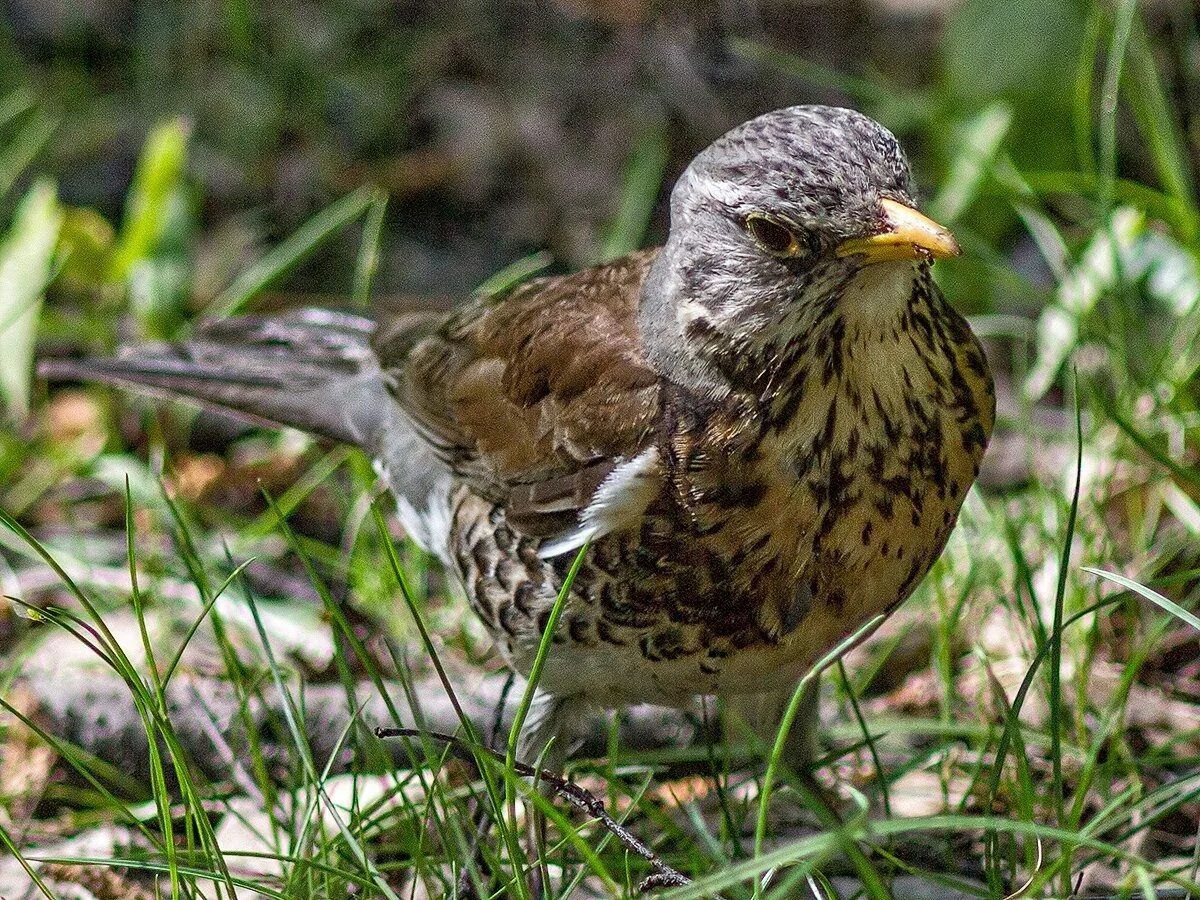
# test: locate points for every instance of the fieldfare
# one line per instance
(763, 429)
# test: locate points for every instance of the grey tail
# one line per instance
(312, 369)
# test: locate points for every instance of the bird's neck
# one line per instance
(856, 318)
(663, 319)
(875, 341)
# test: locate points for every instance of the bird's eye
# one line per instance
(772, 235)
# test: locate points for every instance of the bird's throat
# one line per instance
(879, 294)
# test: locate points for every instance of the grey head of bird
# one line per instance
(772, 223)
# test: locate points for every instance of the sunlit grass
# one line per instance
(1040, 630)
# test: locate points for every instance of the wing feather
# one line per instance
(534, 398)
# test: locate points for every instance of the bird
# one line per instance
(759, 434)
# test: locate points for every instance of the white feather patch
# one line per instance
(429, 528)
(618, 504)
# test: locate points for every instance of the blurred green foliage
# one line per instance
(26, 266)
(166, 161)
(151, 253)
(1023, 54)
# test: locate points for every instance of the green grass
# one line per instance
(1039, 730)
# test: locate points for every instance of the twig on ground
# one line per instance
(581, 798)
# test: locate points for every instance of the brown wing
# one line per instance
(532, 397)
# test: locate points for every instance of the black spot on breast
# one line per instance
(916, 569)
(607, 633)
(796, 609)
(743, 494)
(562, 563)
(580, 631)
(838, 486)
(523, 597)
(852, 442)
(835, 599)
(974, 438)
(899, 485)
(977, 364)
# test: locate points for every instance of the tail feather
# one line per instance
(312, 370)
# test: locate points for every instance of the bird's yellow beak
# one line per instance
(907, 234)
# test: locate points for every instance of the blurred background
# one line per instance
(503, 128)
(162, 162)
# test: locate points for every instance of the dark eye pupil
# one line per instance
(771, 235)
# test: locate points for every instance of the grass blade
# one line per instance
(539, 661)
(26, 264)
(289, 254)
(1143, 91)
(1056, 640)
(156, 185)
(981, 141)
(23, 148)
(1153, 596)
(367, 263)
(514, 273)
(643, 178)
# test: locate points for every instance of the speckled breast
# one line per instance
(770, 541)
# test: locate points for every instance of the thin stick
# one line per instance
(581, 798)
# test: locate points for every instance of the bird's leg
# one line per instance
(552, 729)
(550, 732)
(479, 810)
(762, 715)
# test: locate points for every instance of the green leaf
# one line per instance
(981, 140)
(26, 267)
(1153, 596)
(151, 255)
(156, 184)
(643, 178)
(292, 251)
(513, 274)
(1158, 123)
(21, 149)
(369, 250)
